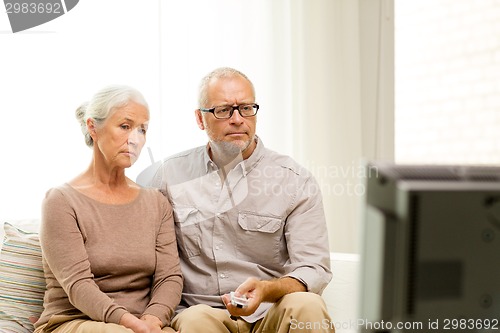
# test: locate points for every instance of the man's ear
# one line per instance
(199, 119)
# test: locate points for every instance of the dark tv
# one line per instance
(430, 259)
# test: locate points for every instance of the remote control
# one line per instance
(239, 302)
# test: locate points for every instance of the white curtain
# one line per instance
(343, 102)
(323, 72)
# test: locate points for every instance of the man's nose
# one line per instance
(236, 117)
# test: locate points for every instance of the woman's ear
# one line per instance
(199, 119)
(91, 128)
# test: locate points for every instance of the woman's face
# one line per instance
(120, 138)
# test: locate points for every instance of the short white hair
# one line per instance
(222, 72)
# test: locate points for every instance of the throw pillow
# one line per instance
(22, 283)
(11, 327)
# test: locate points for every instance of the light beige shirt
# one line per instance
(266, 220)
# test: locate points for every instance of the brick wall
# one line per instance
(447, 81)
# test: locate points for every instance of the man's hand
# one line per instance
(253, 289)
(258, 291)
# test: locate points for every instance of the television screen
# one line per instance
(430, 258)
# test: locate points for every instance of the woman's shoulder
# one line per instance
(153, 193)
(58, 197)
(58, 191)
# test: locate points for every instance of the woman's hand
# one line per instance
(140, 325)
(153, 322)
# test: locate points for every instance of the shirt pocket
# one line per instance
(252, 222)
(261, 240)
(187, 230)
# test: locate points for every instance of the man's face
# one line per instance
(236, 134)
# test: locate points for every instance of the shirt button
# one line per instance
(222, 276)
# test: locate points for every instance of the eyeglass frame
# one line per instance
(233, 108)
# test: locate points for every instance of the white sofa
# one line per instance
(22, 284)
(341, 294)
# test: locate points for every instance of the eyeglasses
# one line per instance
(226, 111)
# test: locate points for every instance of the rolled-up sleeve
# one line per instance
(307, 239)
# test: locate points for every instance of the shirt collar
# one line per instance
(248, 164)
(210, 166)
(245, 165)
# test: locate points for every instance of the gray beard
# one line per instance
(225, 152)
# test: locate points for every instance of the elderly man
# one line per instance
(247, 220)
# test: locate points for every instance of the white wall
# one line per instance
(47, 72)
(447, 81)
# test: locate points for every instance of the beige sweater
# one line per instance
(104, 260)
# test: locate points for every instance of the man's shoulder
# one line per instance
(183, 155)
(285, 162)
(177, 161)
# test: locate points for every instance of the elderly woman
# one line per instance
(109, 250)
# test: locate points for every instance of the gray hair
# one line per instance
(102, 103)
(222, 72)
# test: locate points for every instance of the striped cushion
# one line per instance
(11, 327)
(22, 284)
